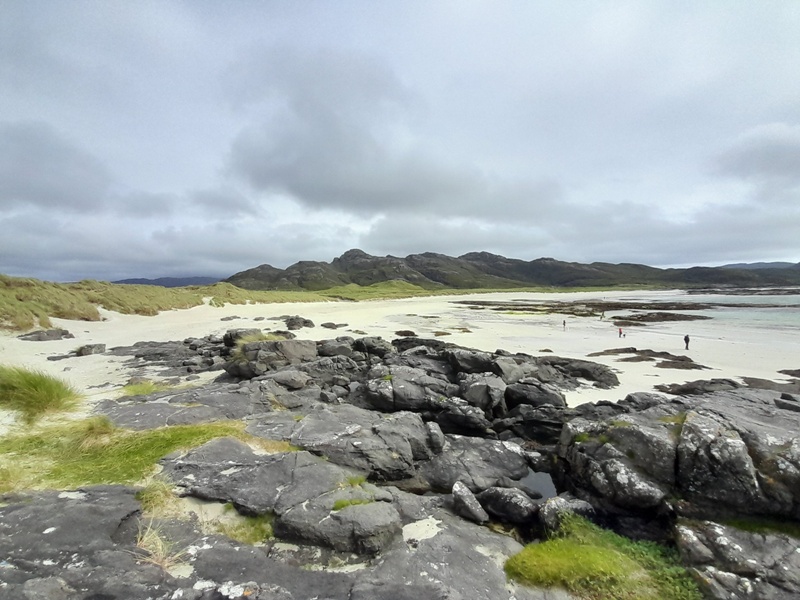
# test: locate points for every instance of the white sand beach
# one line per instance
(731, 348)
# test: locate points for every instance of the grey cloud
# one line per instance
(40, 167)
(341, 135)
(764, 153)
(223, 201)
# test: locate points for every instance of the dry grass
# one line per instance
(28, 303)
(34, 394)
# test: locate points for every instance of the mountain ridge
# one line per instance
(477, 270)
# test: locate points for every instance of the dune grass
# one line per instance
(93, 451)
(595, 564)
(34, 394)
(27, 303)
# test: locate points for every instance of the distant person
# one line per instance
(565, 324)
(686, 341)
(620, 332)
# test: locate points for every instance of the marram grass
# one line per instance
(34, 394)
(597, 564)
(93, 451)
(27, 303)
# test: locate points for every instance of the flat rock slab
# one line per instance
(203, 405)
(383, 446)
(478, 463)
(300, 489)
(442, 557)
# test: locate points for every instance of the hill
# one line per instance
(483, 270)
(171, 282)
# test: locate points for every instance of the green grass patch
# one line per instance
(156, 496)
(246, 529)
(345, 502)
(596, 564)
(93, 451)
(765, 525)
(356, 480)
(34, 394)
(144, 388)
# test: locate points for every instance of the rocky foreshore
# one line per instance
(402, 453)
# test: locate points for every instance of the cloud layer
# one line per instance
(181, 138)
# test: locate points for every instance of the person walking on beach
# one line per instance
(565, 324)
(686, 341)
(620, 332)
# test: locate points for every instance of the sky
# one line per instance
(168, 138)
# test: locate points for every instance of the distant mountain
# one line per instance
(171, 282)
(479, 270)
(762, 265)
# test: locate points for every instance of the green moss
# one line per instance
(582, 437)
(765, 525)
(93, 451)
(595, 564)
(356, 480)
(34, 394)
(345, 502)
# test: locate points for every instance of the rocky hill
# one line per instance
(485, 270)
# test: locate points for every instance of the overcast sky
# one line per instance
(148, 139)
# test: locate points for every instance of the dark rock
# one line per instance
(234, 335)
(602, 376)
(478, 463)
(508, 504)
(484, 391)
(695, 388)
(406, 388)
(533, 393)
(385, 447)
(373, 345)
(90, 349)
(341, 346)
(553, 510)
(729, 451)
(466, 504)
(459, 417)
(732, 563)
(469, 361)
(405, 333)
(46, 335)
(444, 557)
(296, 322)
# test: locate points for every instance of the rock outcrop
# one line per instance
(393, 458)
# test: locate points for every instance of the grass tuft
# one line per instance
(156, 496)
(345, 502)
(595, 564)
(247, 529)
(93, 452)
(34, 394)
(159, 550)
(143, 388)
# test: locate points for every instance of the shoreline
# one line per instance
(728, 351)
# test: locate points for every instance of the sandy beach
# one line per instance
(729, 348)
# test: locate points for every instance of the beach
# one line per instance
(734, 343)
